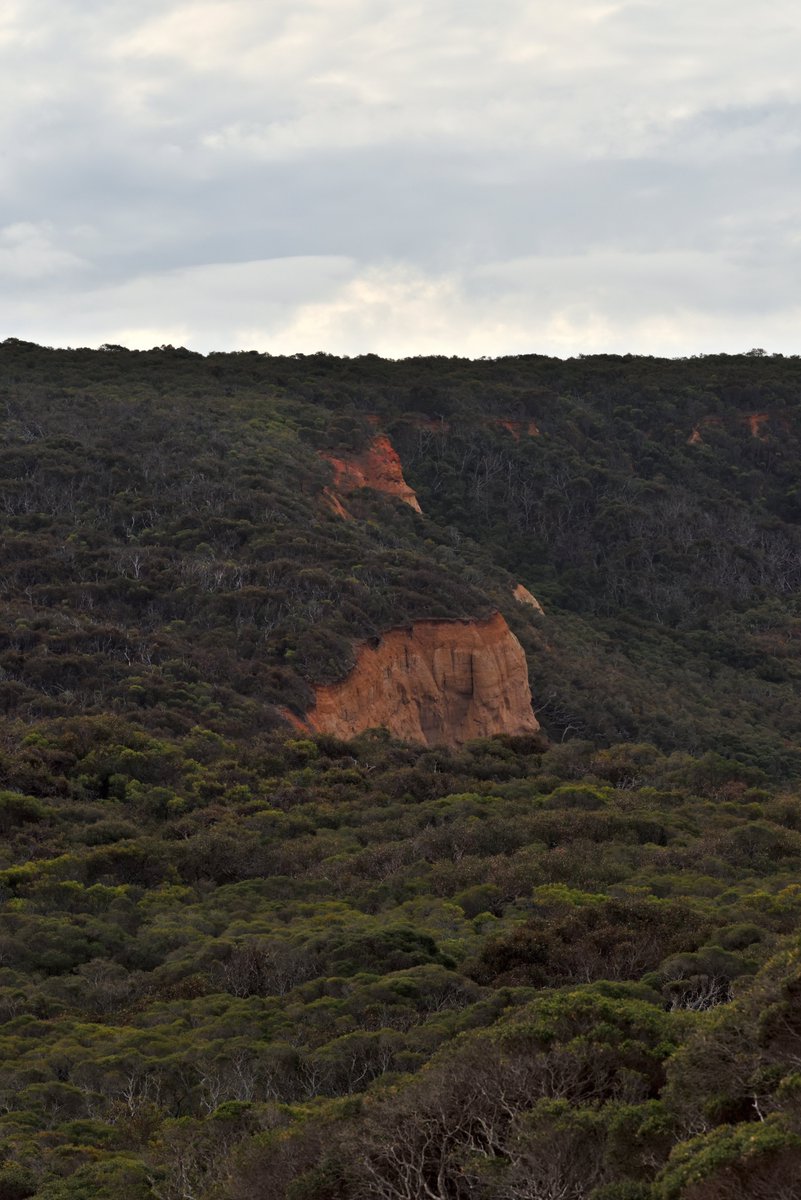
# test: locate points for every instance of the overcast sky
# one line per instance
(443, 176)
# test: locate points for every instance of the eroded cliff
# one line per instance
(523, 596)
(378, 467)
(432, 682)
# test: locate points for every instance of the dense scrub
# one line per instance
(168, 552)
(237, 963)
(310, 968)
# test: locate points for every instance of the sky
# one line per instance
(444, 177)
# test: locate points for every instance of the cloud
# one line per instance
(568, 170)
(662, 304)
(27, 253)
(210, 305)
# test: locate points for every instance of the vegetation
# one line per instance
(237, 962)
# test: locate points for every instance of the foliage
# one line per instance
(240, 962)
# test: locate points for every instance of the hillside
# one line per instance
(170, 534)
(399, 777)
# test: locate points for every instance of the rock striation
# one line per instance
(378, 467)
(432, 682)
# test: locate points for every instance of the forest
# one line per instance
(243, 962)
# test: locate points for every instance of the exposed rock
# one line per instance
(518, 428)
(432, 682)
(696, 438)
(754, 423)
(378, 467)
(335, 504)
(523, 596)
(299, 725)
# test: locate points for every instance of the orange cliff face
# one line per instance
(378, 467)
(432, 682)
(523, 596)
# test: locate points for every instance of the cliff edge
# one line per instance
(432, 682)
(378, 467)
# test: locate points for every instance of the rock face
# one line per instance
(378, 467)
(432, 682)
(523, 596)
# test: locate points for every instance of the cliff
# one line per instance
(523, 596)
(433, 682)
(378, 467)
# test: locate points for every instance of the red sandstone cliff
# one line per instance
(433, 682)
(523, 596)
(378, 467)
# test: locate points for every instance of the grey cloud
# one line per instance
(559, 173)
